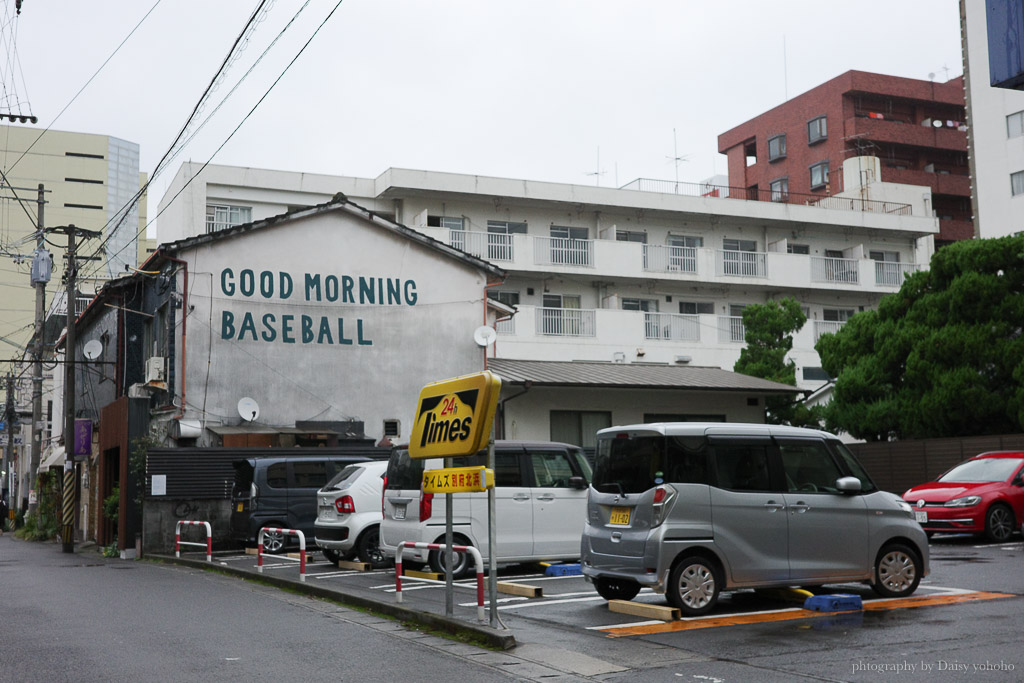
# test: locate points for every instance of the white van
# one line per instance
(540, 499)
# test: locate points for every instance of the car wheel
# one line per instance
(333, 556)
(369, 548)
(616, 589)
(462, 565)
(694, 585)
(999, 523)
(897, 571)
(273, 541)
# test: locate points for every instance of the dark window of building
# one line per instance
(579, 427)
(798, 249)
(83, 155)
(815, 375)
(1017, 183)
(631, 236)
(507, 297)
(817, 130)
(696, 308)
(449, 222)
(645, 305)
(82, 206)
(819, 175)
(392, 428)
(83, 180)
(777, 147)
(1015, 125)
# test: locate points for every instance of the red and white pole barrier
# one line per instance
(178, 542)
(477, 559)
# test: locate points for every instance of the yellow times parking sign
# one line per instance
(458, 480)
(454, 416)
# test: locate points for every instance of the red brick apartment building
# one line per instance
(795, 152)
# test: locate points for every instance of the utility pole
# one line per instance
(39, 280)
(9, 413)
(67, 530)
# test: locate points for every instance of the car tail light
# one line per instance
(383, 491)
(663, 497)
(345, 505)
(254, 494)
(426, 506)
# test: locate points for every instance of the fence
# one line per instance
(898, 465)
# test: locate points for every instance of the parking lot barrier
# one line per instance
(288, 532)
(477, 559)
(178, 542)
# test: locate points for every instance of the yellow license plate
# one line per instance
(240, 507)
(620, 515)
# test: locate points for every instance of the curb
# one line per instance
(492, 637)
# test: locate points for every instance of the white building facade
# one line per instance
(995, 118)
(614, 275)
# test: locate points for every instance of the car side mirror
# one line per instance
(577, 483)
(848, 484)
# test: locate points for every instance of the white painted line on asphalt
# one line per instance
(535, 602)
(498, 601)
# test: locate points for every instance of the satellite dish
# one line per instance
(484, 336)
(93, 349)
(249, 409)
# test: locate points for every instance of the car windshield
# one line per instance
(982, 470)
(404, 472)
(629, 465)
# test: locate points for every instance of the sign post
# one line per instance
(453, 417)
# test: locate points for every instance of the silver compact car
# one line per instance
(693, 509)
(349, 514)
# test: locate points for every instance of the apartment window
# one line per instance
(506, 228)
(579, 426)
(837, 315)
(817, 130)
(631, 236)
(696, 308)
(779, 189)
(798, 249)
(219, 217)
(1017, 183)
(1015, 125)
(819, 175)
(685, 241)
(507, 297)
(446, 222)
(645, 305)
(567, 232)
(884, 256)
(777, 148)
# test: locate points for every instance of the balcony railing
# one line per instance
(566, 322)
(826, 327)
(666, 259)
(672, 327)
(892, 274)
(563, 251)
(731, 330)
(505, 326)
(742, 263)
(486, 245)
(828, 269)
(767, 195)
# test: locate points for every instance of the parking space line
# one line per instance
(794, 613)
(541, 603)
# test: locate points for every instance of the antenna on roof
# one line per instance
(676, 158)
(598, 173)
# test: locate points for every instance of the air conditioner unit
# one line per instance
(155, 369)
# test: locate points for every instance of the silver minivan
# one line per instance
(692, 509)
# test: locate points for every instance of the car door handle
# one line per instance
(772, 506)
(800, 508)
(546, 497)
(521, 496)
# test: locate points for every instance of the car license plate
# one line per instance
(399, 512)
(240, 505)
(620, 515)
(921, 516)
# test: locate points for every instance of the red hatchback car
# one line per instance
(983, 495)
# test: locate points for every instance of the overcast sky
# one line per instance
(535, 89)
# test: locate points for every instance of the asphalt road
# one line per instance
(80, 617)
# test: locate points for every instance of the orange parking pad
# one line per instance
(793, 614)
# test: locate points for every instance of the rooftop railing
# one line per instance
(767, 195)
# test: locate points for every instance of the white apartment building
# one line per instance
(657, 273)
(995, 118)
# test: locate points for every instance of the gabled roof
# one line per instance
(630, 376)
(338, 203)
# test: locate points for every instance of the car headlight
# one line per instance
(966, 501)
(904, 505)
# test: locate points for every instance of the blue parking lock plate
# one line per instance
(563, 570)
(838, 602)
